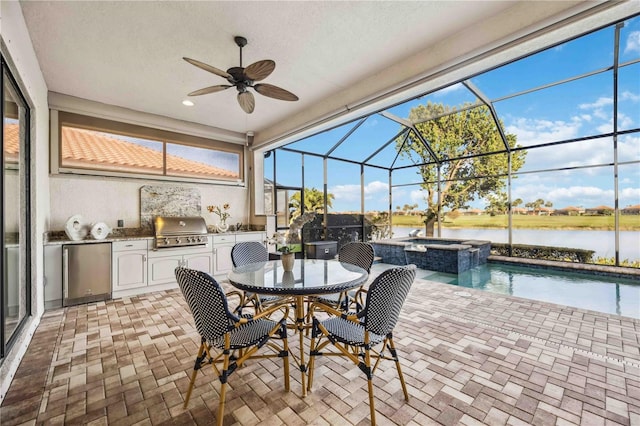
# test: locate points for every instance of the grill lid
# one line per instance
(180, 231)
(170, 226)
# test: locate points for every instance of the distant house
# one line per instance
(570, 211)
(543, 211)
(631, 210)
(519, 210)
(599, 211)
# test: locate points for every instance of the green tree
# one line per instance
(497, 203)
(455, 137)
(313, 202)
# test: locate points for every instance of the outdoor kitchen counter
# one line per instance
(60, 238)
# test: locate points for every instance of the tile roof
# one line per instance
(88, 149)
(11, 145)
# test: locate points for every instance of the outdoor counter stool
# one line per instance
(237, 339)
(354, 336)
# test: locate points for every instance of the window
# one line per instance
(88, 145)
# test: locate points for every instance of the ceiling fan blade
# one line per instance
(247, 101)
(275, 92)
(260, 70)
(210, 89)
(209, 68)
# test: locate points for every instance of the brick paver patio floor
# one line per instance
(469, 357)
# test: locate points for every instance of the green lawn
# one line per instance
(627, 222)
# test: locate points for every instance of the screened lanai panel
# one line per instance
(366, 138)
(313, 173)
(343, 183)
(288, 169)
(322, 142)
(564, 207)
(400, 152)
(376, 203)
(629, 96)
(629, 147)
(408, 175)
(461, 134)
(573, 58)
(588, 152)
(629, 202)
(376, 189)
(572, 110)
(408, 203)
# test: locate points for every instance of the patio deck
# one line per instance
(469, 357)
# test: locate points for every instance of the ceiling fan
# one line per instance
(243, 79)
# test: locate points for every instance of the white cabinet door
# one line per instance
(201, 262)
(129, 269)
(222, 258)
(162, 269)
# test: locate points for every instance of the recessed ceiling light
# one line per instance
(187, 103)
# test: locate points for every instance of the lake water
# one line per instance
(602, 242)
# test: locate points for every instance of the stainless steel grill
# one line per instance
(180, 231)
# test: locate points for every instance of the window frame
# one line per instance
(60, 119)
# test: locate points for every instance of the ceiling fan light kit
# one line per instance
(243, 79)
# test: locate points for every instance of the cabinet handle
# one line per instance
(65, 272)
(144, 257)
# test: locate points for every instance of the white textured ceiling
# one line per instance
(129, 54)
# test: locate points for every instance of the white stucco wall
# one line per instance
(19, 53)
(102, 199)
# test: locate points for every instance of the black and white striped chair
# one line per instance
(246, 252)
(355, 336)
(236, 339)
(355, 253)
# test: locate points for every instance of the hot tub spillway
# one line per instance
(434, 254)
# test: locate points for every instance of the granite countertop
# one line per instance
(118, 234)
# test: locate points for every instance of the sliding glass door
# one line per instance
(14, 184)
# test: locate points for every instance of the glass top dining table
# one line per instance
(308, 277)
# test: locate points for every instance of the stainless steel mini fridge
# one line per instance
(86, 273)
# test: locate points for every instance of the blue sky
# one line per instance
(573, 110)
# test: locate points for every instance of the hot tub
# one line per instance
(434, 254)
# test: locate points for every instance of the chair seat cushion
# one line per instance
(349, 332)
(248, 334)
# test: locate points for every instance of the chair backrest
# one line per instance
(207, 302)
(357, 253)
(385, 298)
(247, 252)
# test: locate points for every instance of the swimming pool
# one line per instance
(610, 295)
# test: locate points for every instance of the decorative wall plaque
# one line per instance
(156, 200)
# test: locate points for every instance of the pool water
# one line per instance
(610, 295)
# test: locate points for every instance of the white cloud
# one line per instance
(633, 42)
(629, 148)
(629, 96)
(605, 127)
(534, 131)
(448, 89)
(601, 102)
(599, 113)
(352, 192)
(630, 195)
